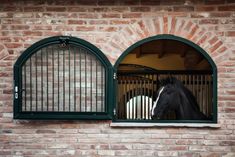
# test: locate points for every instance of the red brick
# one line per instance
(170, 2)
(98, 22)
(150, 2)
(140, 9)
(229, 109)
(183, 8)
(77, 9)
(216, 46)
(56, 9)
(213, 40)
(32, 33)
(85, 28)
(227, 8)
(107, 2)
(12, 8)
(20, 27)
(42, 27)
(214, 2)
(45, 132)
(119, 22)
(86, 2)
(23, 15)
(173, 25)
(13, 45)
(111, 15)
(129, 2)
(33, 9)
(119, 9)
(178, 148)
(131, 15)
(77, 22)
(99, 9)
(63, 28)
(88, 15)
(205, 8)
(230, 33)
(209, 21)
(188, 26)
(220, 14)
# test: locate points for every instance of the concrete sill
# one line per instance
(155, 125)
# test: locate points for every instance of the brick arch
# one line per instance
(187, 29)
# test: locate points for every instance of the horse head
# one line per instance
(167, 99)
(174, 96)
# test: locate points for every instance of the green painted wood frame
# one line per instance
(19, 114)
(111, 84)
(189, 43)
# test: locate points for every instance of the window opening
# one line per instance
(62, 76)
(144, 65)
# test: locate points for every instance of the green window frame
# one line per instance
(25, 105)
(110, 81)
(189, 43)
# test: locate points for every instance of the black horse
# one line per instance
(174, 96)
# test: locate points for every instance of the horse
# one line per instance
(174, 96)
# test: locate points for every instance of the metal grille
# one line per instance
(63, 78)
(137, 92)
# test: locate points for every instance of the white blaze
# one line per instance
(155, 104)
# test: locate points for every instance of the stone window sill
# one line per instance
(155, 125)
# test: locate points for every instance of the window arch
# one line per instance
(183, 64)
(62, 78)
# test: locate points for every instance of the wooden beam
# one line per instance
(162, 49)
(183, 52)
(139, 51)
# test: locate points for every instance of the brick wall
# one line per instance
(113, 26)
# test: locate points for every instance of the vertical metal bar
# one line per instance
(85, 82)
(69, 78)
(149, 92)
(36, 75)
(141, 96)
(58, 94)
(129, 97)
(152, 89)
(30, 83)
(96, 84)
(202, 103)
(197, 90)
(102, 89)
(74, 66)
(145, 95)
(47, 75)
(207, 96)
(91, 81)
(203, 93)
(80, 70)
(53, 69)
(41, 80)
(63, 80)
(135, 96)
(209, 93)
(124, 90)
(25, 88)
(193, 85)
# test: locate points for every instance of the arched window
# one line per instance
(62, 78)
(142, 67)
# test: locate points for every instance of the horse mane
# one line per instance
(185, 91)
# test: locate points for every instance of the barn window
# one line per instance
(144, 66)
(62, 78)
